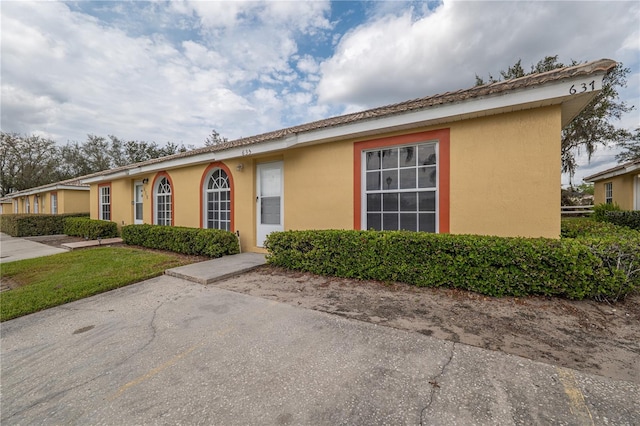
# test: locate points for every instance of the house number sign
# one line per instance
(582, 87)
(246, 152)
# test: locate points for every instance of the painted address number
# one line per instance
(582, 87)
(246, 152)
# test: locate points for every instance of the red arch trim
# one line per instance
(217, 165)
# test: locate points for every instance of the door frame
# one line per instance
(263, 230)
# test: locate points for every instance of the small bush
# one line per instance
(495, 266)
(600, 211)
(585, 227)
(190, 241)
(90, 228)
(30, 225)
(630, 219)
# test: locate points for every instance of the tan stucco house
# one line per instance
(68, 196)
(619, 185)
(449, 163)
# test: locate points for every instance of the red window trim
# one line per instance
(443, 138)
(217, 165)
(158, 176)
(100, 186)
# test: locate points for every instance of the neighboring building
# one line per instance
(450, 163)
(68, 196)
(6, 205)
(620, 185)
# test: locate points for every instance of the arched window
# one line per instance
(163, 202)
(217, 200)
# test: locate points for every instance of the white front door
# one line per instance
(270, 200)
(637, 195)
(137, 203)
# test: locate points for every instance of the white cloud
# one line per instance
(398, 56)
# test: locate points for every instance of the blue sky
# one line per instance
(172, 71)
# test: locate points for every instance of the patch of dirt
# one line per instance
(588, 336)
(55, 240)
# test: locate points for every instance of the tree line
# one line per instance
(28, 161)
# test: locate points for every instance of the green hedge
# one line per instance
(191, 241)
(630, 219)
(91, 229)
(496, 266)
(29, 225)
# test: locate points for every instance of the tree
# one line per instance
(215, 139)
(26, 162)
(593, 126)
(631, 147)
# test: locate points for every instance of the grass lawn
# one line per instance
(54, 280)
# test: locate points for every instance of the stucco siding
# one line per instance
(505, 174)
(622, 187)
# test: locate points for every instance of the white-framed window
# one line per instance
(163, 202)
(36, 205)
(608, 193)
(401, 188)
(105, 202)
(15, 206)
(217, 200)
(27, 205)
(54, 203)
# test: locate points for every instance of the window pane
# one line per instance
(408, 221)
(390, 202)
(373, 160)
(373, 181)
(407, 156)
(427, 201)
(426, 155)
(408, 202)
(390, 158)
(390, 221)
(374, 202)
(407, 178)
(390, 179)
(427, 177)
(427, 222)
(374, 221)
(270, 211)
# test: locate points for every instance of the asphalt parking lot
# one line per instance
(170, 351)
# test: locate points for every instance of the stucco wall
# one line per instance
(505, 174)
(622, 191)
(71, 201)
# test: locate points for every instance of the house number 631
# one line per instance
(582, 87)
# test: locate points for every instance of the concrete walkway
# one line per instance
(12, 249)
(92, 243)
(213, 270)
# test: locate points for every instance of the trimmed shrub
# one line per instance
(190, 241)
(30, 225)
(600, 211)
(630, 219)
(576, 227)
(90, 229)
(494, 266)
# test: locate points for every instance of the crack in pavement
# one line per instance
(434, 383)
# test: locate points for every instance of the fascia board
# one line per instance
(552, 93)
(48, 189)
(614, 173)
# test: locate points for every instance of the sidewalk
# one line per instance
(12, 249)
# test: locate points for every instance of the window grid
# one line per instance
(36, 205)
(27, 206)
(105, 203)
(54, 203)
(608, 193)
(218, 201)
(163, 202)
(401, 188)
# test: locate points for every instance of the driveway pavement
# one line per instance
(170, 351)
(12, 249)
